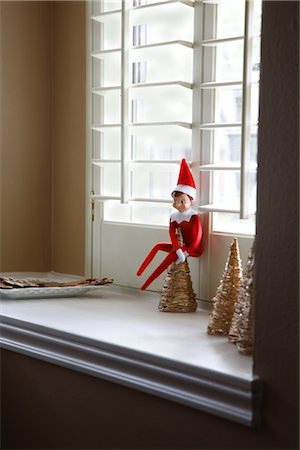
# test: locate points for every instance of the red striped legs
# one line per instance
(172, 256)
(164, 246)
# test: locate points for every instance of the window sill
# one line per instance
(119, 335)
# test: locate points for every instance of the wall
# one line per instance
(56, 408)
(43, 137)
(62, 409)
(25, 203)
(69, 137)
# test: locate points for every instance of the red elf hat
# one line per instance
(186, 183)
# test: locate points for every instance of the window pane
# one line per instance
(227, 145)
(230, 61)
(254, 103)
(151, 214)
(153, 181)
(226, 189)
(231, 223)
(114, 211)
(107, 108)
(165, 63)
(256, 60)
(97, 34)
(96, 72)
(257, 17)
(109, 32)
(231, 18)
(100, 6)
(146, 104)
(161, 143)
(137, 212)
(253, 145)
(229, 105)
(164, 23)
(97, 139)
(96, 179)
(107, 182)
(169, 63)
(106, 144)
(107, 68)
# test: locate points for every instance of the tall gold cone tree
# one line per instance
(227, 293)
(177, 293)
(245, 327)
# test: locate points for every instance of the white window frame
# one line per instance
(198, 168)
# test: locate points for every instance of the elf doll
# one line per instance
(186, 220)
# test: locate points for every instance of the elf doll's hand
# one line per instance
(181, 256)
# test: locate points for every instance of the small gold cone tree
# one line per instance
(227, 293)
(245, 326)
(177, 293)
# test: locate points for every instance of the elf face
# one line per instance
(182, 202)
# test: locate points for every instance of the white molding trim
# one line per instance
(228, 397)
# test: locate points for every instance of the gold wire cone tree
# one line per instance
(227, 293)
(240, 304)
(177, 294)
(245, 325)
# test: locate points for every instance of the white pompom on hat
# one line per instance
(185, 183)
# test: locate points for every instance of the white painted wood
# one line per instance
(217, 84)
(233, 166)
(163, 83)
(102, 90)
(148, 200)
(104, 14)
(100, 162)
(125, 120)
(89, 152)
(147, 124)
(209, 167)
(214, 125)
(246, 111)
(120, 335)
(213, 42)
(104, 52)
(166, 2)
(105, 125)
(156, 161)
(160, 44)
(216, 208)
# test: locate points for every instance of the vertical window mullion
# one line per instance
(208, 98)
(124, 103)
(246, 111)
(214, 99)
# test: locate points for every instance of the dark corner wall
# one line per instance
(277, 242)
(46, 406)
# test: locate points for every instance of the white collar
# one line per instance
(184, 216)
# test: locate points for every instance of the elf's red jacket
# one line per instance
(190, 226)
